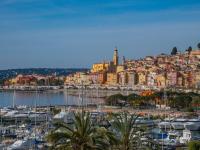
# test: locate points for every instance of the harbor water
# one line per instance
(46, 98)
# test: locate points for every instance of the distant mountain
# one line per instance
(5, 74)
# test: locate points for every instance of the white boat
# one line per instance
(180, 120)
(177, 125)
(144, 121)
(67, 117)
(21, 145)
(38, 117)
(193, 126)
(188, 136)
(11, 113)
(4, 110)
(164, 125)
(194, 120)
(169, 119)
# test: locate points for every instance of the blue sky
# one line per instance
(77, 33)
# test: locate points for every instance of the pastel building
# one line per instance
(151, 79)
(123, 78)
(161, 80)
(171, 78)
(141, 78)
(132, 78)
(112, 78)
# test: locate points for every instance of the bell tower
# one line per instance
(115, 57)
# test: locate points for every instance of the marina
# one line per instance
(27, 118)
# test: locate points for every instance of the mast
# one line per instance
(82, 96)
(13, 101)
(35, 113)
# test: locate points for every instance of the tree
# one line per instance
(189, 49)
(82, 135)
(194, 145)
(198, 45)
(116, 99)
(174, 51)
(124, 124)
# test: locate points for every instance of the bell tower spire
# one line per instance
(115, 57)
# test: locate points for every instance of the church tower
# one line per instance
(116, 57)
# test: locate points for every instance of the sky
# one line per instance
(78, 33)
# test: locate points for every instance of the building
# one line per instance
(151, 79)
(120, 68)
(172, 79)
(161, 80)
(132, 78)
(100, 67)
(123, 78)
(116, 57)
(195, 53)
(142, 78)
(112, 78)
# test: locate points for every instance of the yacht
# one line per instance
(164, 125)
(188, 136)
(182, 120)
(38, 117)
(8, 131)
(177, 125)
(67, 117)
(196, 120)
(144, 121)
(172, 138)
(193, 126)
(21, 145)
(10, 113)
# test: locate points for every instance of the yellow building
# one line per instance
(100, 67)
(13, 81)
(112, 78)
(141, 78)
(161, 80)
(107, 66)
(120, 68)
(195, 53)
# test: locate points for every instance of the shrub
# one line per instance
(194, 145)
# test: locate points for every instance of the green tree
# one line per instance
(126, 131)
(198, 45)
(134, 99)
(116, 99)
(189, 49)
(194, 145)
(82, 135)
(174, 51)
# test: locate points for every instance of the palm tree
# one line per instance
(82, 135)
(126, 131)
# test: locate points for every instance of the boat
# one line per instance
(158, 134)
(192, 126)
(188, 136)
(177, 125)
(8, 131)
(67, 117)
(144, 121)
(21, 145)
(171, 140)
(197, 120)
(182, 120)
(10, 114)
(164, 125)
(38, 117)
